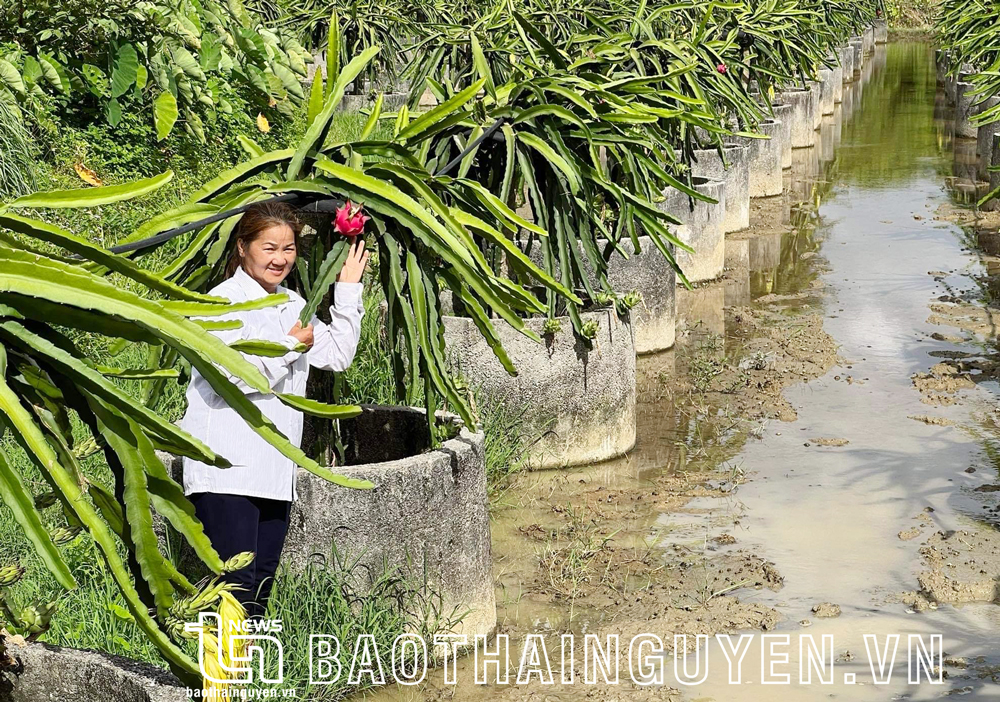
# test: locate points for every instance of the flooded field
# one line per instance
(818, 454)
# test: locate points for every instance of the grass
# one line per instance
(342, 598)
(17, 170)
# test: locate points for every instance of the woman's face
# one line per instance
(269, 258)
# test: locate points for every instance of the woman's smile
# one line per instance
(269, 258)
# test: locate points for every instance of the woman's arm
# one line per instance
(336, 343)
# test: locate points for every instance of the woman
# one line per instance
(246, 507)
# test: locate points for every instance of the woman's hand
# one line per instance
(354, 266)
(303, 334)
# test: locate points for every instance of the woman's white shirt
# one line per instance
(259, 469)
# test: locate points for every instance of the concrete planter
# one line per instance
(838, 83)
(47, 673)
(881, 31)
(800, 99)
(734, 171)
(702, 229)
(764, 159)
(845, 55)
(994, 204)
(984, 140)
(578, 401)
(654, 321)
(964, 110)
(391, 102)
(427, 514)
(816, 96)
(868, 38)
(857, 46)
(783, 115)
(826, 93)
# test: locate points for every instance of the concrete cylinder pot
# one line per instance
(838, 83)
(857, 47)
(428, 513)
(984, 139)
(994, 204)
(845, 54)
(702, 229)
(46, 672)
(783, 115)
(577, 402)
(826, 93)
(881, 31)
(816, 96)
(800, 100)
(868, 37)
(654, 320)
(964, 111)
(764, 158)
(732, 168)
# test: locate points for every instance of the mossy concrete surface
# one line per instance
(427, 514)
(577, 403)
(650, 273)
(784, 114)
(800, 100)
(702, 229)
(732, 167)
(47, 673)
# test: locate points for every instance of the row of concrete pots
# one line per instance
(966, 105)
(580, 401)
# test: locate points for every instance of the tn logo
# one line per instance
(238, 674)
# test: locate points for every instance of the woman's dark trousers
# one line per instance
(237, 523)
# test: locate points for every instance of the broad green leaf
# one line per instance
(34, 442)
(435, 114)
(10, 77)
(252, 149)
(164, 114)
(316, 96)
(239, 173)
(481, 64)
(333, 48)
(333, 262)
(71, 242)
(137, 373)
(54, 73)
(125, 70)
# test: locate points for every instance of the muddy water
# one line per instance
(741, 509)
(828, 516)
